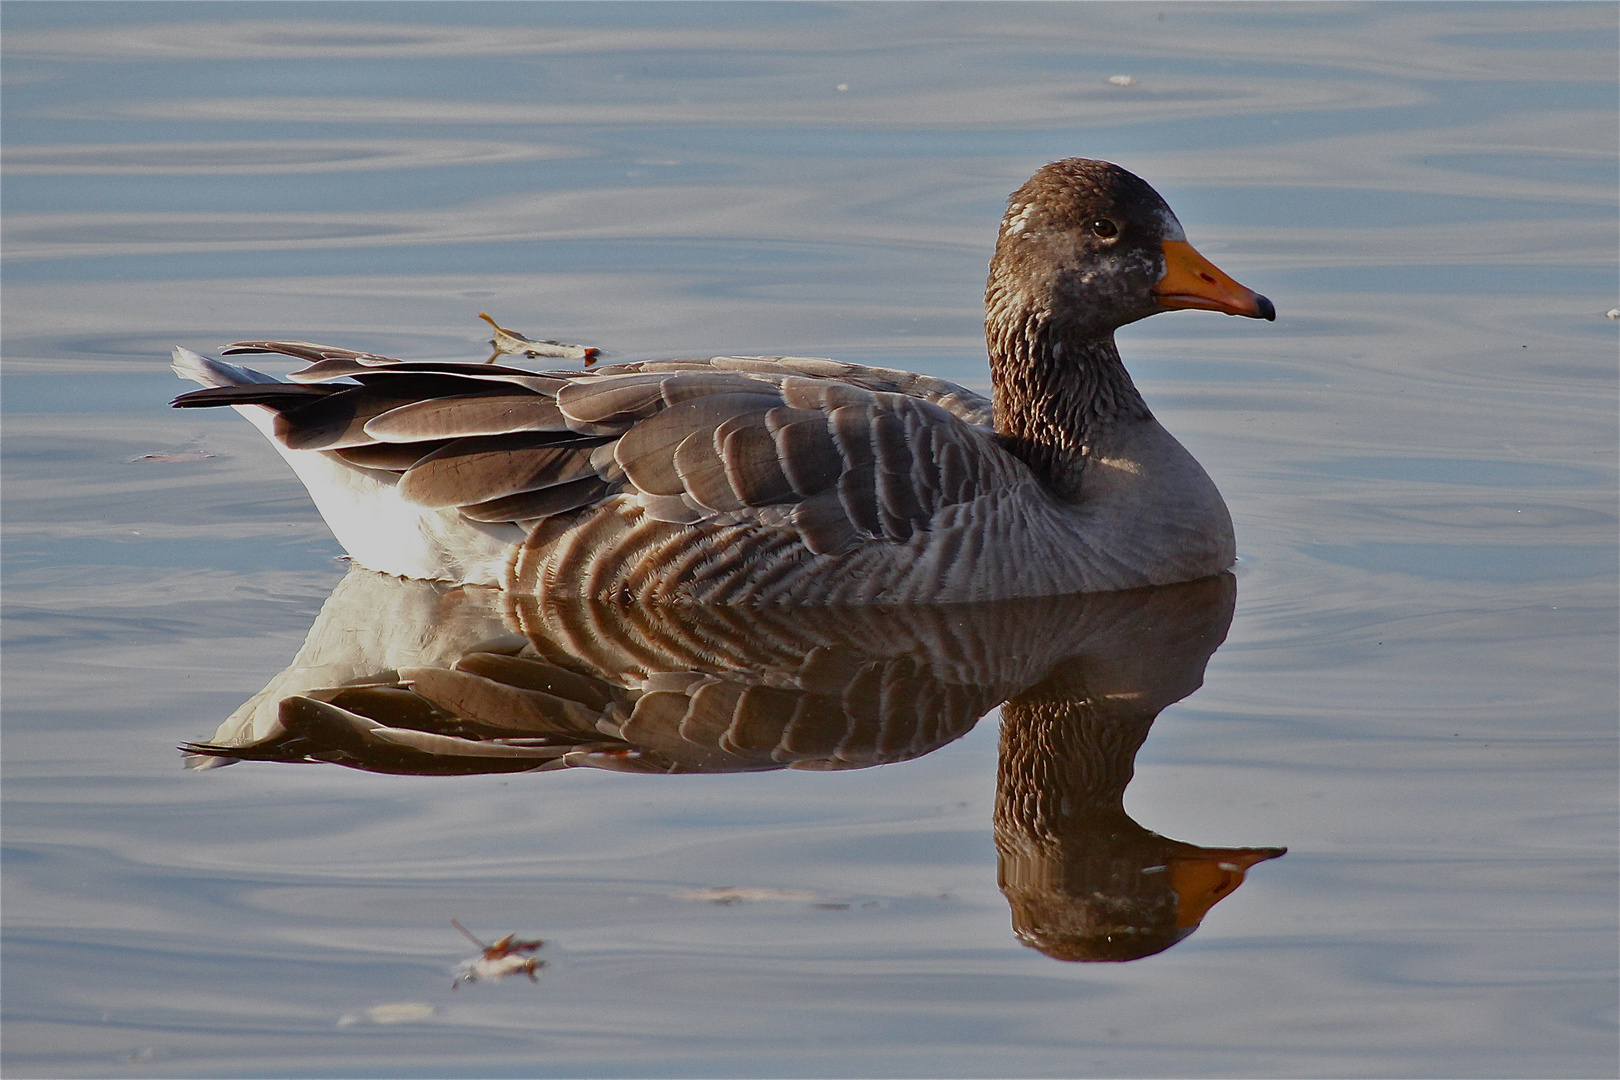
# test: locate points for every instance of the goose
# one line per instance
(783, 479)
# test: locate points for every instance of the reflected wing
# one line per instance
(423, 677)
(841, 453)
(500, 713)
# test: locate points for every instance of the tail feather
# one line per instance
(363, 506)
(277, 395)
(210, 372)
(305, 350)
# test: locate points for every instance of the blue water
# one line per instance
(1416, 695)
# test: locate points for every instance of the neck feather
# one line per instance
(1055, 393)
(1065, 760)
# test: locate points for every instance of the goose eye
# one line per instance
(1104, 228)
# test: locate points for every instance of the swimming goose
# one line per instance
(758, 480)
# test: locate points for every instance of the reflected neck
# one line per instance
(1064, 765)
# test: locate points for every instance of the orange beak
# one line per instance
(1203, 881)
(1192, 281)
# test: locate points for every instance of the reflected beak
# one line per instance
(1192, 281)
(1203, 881)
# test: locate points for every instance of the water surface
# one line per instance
(1415, 695)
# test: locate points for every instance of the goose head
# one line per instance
(1087, 247)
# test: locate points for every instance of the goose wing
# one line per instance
(842, 454)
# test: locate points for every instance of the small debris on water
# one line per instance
(171, 458)
(1613, 313)
(393, 1012)
(508, 956)
(730, 895)
(510, 341)
(1122, 80)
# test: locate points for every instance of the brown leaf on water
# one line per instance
(508, 956)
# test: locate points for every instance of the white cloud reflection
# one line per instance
(1402, 41)
(1063, 99)
(268, 157)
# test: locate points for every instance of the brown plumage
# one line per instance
(788, 479)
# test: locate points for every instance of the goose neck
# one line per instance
(1055, 394)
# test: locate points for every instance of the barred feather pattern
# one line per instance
(720, 480)
(422, 677)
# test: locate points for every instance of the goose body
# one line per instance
(761, 480)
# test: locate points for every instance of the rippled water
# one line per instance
(1416, 695)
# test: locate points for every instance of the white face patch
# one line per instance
(1172, 227)
(1017, 219)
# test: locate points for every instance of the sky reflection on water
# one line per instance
(1416, 694)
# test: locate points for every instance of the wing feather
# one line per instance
(675, 509)
(530, 674)
(809, 455)
(703, 473)
(542, 503)
(839, 453)
(751, 462)
(467, 376)
(465, 415)
(391, 457)
(702, 384)
(495, 704)
(647, 451)
(465, 472)
(954, 479)
(612, 399)
(339, 419)
(304, 350)
(277, 395)
(857, 490)
(824, 526)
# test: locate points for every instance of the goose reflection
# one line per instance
(418, 677)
